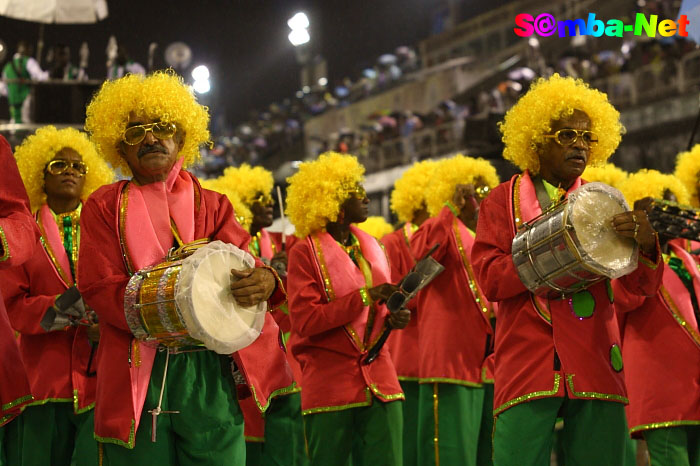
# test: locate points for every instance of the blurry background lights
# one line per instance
(298, 21)
(201, 86)
(299, 37)
(200, 73)
(299, 24)
(322, 81)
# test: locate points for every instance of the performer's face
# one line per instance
(262, 210)
(152, 158)
(356, 206)
(561, 164)
(67, 185)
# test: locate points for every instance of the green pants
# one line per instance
(209, 426)
(454, 424)
(674, 446)
(371, 434)
(594, 433)
(284, 434)
(410, 423)
(51, 434)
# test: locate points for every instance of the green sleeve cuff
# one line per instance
(451, 206)
(4, 247)
(366, 300)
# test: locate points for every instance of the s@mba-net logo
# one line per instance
(545, 25)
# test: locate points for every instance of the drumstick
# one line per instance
(279, 199)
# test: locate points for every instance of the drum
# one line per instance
(186, 300)
(573, 245)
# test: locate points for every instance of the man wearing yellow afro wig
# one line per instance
(151, 127)
(454, 321)
(662, 343)
(279, 437)
(339, 278)
(688, 171)
(408, 203)
(556, 357)
(58, 342)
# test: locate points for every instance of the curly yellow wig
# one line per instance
(551, 99)
(376, 226)
(161, 95)
(319, 188)
(688, 171)
(448, 173)
(652, 183)
(41, 147)
(409, 191)
(248, 182)
(609, 174)
(243, 214)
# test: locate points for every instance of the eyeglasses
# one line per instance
(482, 191)
(568, 137)
(135, 134)
(358, 192)
(59, 166)
(263, 199)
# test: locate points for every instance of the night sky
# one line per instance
(244, 43)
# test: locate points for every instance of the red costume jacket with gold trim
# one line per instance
(330, 321)
(453, 315)
(661, 349)
(19, 238)
(545, 350)
(57, 362)
(403, 345)
(126, 363)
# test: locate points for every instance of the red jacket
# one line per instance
(125, 361)
(453, 316)
(19, 238)
(328, 314)
(546, 351)
(403, 345)
(661, 349)
(57, 362)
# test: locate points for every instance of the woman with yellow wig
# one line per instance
(454, 321)
(376, 226)
(338, 281)
(166, 406)
(608, 173)
(688, 171)
(60, 169)
(661, 346)
(408, 203)
(556, 357)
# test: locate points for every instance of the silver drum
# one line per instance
(572, 245)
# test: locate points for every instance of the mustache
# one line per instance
(151, 148)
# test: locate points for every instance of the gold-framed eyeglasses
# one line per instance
(160, 129)
(358, 192)
(482, 191)
(263, 199)
(59, 166)
(569, 136)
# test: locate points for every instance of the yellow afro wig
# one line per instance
(652, 183)
(243, 215)
(248, 182)
(459, 169)
(376, 226)
(688, 171)
(609, 174)
(410, 190)
(159, 96)
(551, 99)
(319, 188)
(41, 147)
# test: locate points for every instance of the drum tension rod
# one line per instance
(158, 411)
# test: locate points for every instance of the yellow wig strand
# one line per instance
(41, 147)
(409, 191)
(459, 169)
(550, 99)
(688, 171)
(243, 215)
(159, 96)
(376, 226)
(652, 183)
(609, 174)
(319, 188)
(248, 182)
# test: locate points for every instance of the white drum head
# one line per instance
(206, 304)
(591, 209)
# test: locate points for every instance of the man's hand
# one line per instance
(250, 287)
(382, 292)
(279, 263)
(93, 333)
(635, 225)
(399, 319)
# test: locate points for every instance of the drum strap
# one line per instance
(541, 192)
(157, 411)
